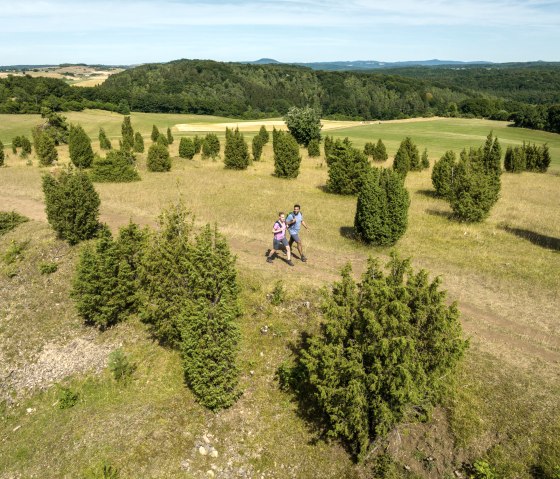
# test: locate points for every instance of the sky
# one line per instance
(130, 32)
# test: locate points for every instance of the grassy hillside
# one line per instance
(503, 273)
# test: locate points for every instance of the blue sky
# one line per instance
(130, 32)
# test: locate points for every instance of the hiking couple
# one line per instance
(293, 224)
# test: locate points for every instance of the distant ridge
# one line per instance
(370, 64)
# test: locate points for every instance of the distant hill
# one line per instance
(365, 65)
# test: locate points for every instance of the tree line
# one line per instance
(257, 91)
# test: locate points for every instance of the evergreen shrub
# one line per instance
(287, 159)
(382, 208)
(186, 148)
(313, 148)
(443, 174)
(72, 205)
(79, 147)
(348, 168)
(210, 146)
(158, 158)
(236, 151)
(387, 348)
(116, 167)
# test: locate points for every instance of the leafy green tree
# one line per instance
(127, 134)
(264, 135)
(79, 146)
(117, 167)
(257, 147)
(155, 133)
(236, 151)
(380, 152)
(106, 282)
(387, 348)
(104, 142)
(287, 159)
(138, 143)
(304, 124)
(210, 335)
(313, 149)
(474, 190)
(443, 174)
(348, 168)
(382, 208)
(186, 148)
(123, 108)
(2, 154)
(72, 205)
(158, 158)
(210, 146)
(407, 157)
(169, 136)
(46, 150)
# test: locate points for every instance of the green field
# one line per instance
(503, 273)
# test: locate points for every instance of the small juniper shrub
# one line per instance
(443, 174)
(236, 151)
(79, 146)
(186, 148)
(287, 159)
(117, 167)
(72, 205)
(158, 158)
(348, 168)
(386, 344)
(120, 366)
(66, 398)
(210, 146)
(313, 149)
(48, 267)
(155, 133)
(257, 147)
(138, 143)
(382, 208)
(104, 142)
(278, 294)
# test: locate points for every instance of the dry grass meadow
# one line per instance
(504, 273)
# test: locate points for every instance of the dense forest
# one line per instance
(528, 94)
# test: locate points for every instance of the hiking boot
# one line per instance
(267, 254)
(304, 259)
(269, 260)
(290, 262)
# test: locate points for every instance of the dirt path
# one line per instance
(510, 339)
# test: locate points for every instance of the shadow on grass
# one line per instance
(348, 232)
(538, 239)
(428, 193)
(442, 214)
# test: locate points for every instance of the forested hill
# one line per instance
(535, 83)
(251, 91)
(525, 94)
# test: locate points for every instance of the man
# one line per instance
(294, 222)
(279, 241)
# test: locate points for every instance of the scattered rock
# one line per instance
(210, 473)
(306, 304)
(214, 453)
(16, 428)
(407, 467)
(261, 354)
(185, 465)
(457, 473)
(30, 410)
(251, 372)
(205, 439)
(264, 329)
(203, 451)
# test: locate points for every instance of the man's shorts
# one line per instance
(280, 244)
(294, 237)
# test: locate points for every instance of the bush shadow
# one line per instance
(547, 242)
(428, 194)
(442, 214)
(348, 232)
